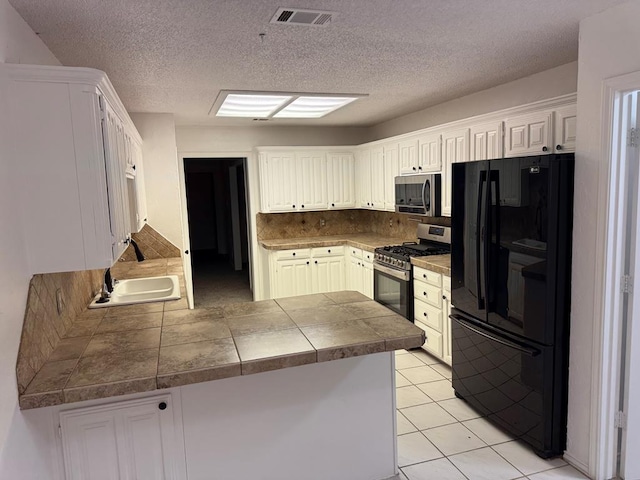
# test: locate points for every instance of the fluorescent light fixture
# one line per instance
(267, 105)
(313, 107)
(254, 106)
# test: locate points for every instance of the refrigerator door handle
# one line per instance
(532, 352)
(480, 232)
(489, 263)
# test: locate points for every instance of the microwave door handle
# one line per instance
(479, 233)
(426, 201)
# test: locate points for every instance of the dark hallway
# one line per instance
(218, 230)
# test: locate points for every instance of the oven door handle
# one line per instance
(392, 272)
(532, 352)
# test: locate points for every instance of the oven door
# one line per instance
(393, 289)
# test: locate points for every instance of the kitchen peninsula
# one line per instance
(191, 374)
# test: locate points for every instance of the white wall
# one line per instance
(160, 159)
(18, 43)
(540, 86)
(609, 47)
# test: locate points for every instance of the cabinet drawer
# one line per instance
(446, 283)
(334, 251)
(292, 254)
(355, 252)
(433, 343)
(427, 314)
(427, 293)
(367, 256)
(427, 276)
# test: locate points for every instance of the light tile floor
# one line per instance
(441, 438)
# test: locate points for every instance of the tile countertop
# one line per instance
(435, 263)
(138, 348)
(365, 241)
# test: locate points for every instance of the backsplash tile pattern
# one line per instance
(43, 326)
(152, 244)
(271, 226)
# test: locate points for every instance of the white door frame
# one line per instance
(253, 196)
(607, 326)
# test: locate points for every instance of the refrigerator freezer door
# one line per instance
(507, 381)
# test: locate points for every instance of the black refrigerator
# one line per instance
(510, 285)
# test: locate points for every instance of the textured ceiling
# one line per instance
(176, 55)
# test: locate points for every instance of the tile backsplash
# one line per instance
(271, 226)
(53, 303)
(152, 244)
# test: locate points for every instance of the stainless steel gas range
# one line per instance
(392, 271)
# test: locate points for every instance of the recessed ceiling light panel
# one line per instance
(313, 107)
(267, 105)
(254, 106)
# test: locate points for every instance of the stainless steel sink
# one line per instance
(141, 290)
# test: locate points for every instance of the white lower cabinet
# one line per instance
(130, 440)
(320, 270)
(432, 307)
(306, 271)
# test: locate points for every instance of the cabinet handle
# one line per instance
(162, 405)
(333, 204)
(414, 168)
(301, 206)
(424, 293)
(424, 275)
(558, 147)
(425, 314)
(186, 252)
(544, 149)
(293, 206)
(368, 204)
(444, 297)
(316, 262)
(329, 251)
(307, 262)
(294, 254)
(419, 168)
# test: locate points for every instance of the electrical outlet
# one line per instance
(390, 223)
(59, 301)
(322, 222)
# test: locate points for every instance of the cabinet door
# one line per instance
(312, 181)
(528, 134)
(363, 178)
(341, 180)
(430, 159)
(116, 164)
(355, 274)
(455, 148)
(565, 129)
(391, 171)
(487, 141)
(127, 440)
(367, 279)
(278, 182)
(408, 154)
(292, 278)
(377, 178)
(328, 274)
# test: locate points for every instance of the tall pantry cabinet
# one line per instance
(77, 156)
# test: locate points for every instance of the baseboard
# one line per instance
(574, 462)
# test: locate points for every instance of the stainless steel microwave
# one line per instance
(419, 194)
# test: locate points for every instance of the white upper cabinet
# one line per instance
(312, 181)
(73, 142)
(565, 129)
(408, 156)
(377, 178)
(528, 134)
(430, 159)
(363, 178)
(341, 180)
(278, 182)
(391, 171)
(486, 141)
(455, 148)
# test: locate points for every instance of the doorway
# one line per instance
(217, 220)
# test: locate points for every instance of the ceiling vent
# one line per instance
(298, 16)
